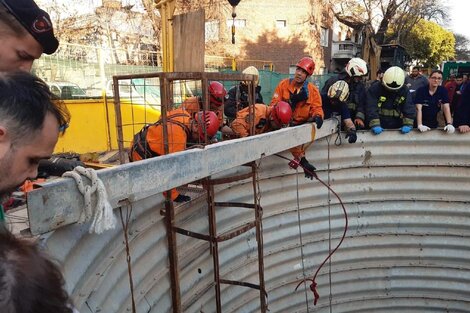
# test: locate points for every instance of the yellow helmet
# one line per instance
(252, 71)
(339, 90)
(394, 78)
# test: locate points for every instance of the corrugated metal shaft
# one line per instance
(407, 246)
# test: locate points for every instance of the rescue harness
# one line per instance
(140, 144)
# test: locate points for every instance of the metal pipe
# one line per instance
(117, 109)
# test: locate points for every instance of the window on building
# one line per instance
(324, 37)
(238, 23)
(212, 31)
(292, 69)
(281, 23)
(346, 47)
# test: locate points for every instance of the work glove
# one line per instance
(406, 129)
(182, 198)
(295, 98)
(351, 135)
(309, 169)
(450, 129)
(318, 120)
(216, 138)
(359, 123)
(423, 128)
(377, 130)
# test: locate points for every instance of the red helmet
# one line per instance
(217, 93)
(210, 125)
(307, 65)
(282, 113)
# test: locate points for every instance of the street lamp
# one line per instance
(233, 3)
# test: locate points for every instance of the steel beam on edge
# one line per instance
(59, 203)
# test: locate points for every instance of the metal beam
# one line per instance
(59, 203)
(167, 9)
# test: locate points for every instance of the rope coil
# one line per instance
(101, 212)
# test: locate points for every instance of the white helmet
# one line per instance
(339, 90)
(253, 71)
(394, 78)
(356, 67)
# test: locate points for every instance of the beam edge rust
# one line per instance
(59, 203)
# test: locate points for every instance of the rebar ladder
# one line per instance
(214, 238)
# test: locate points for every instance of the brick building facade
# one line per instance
(281, 31)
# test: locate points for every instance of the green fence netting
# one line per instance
(269, 80)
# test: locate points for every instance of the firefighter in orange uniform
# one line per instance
(267, 118)
(305, 101)
(181, 129)
(217, 94)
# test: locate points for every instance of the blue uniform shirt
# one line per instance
(431, 104)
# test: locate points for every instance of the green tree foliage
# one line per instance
(462, 47)
(410, 13)
(430, 44)
(385, 21)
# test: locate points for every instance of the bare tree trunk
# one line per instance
(154, 16)
(388, 15)
(371, 51)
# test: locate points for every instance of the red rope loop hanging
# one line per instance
(313, 285)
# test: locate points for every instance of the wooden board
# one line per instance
(189, 42)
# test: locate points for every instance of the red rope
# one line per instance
(313, 285)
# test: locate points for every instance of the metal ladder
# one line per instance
(214, 238)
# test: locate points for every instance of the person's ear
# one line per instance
(5, 141)
(3, 133)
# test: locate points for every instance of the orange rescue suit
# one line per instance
(194, 105)
(303, 110)
(241, 124)
(149, 142)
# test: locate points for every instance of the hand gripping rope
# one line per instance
(101, 212)
(313, 286)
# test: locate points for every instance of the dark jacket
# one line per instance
(462, 112)
(237, 99)
(389, 109)
(331, 108)
(357, 94)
